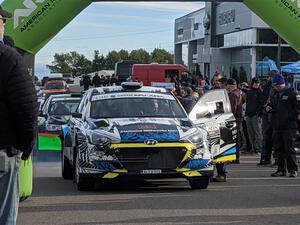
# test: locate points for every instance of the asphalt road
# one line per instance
(250, 196)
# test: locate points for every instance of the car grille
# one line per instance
(134, 159)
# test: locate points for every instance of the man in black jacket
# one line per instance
(18, 118)
(254, 106)
(266, 152)
(284, 108)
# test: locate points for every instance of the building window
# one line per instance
(270, 52)
(196, 26)
(267, 36)
(218, 41)
(289, 55)
(180, 31)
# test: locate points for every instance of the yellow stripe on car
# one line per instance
(193, 173)
(225, 158)
(110, 175)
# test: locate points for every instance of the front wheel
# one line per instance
(83, 184)
(199, 182)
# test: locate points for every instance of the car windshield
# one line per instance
(136, 107)
(52, 86)
(65, 107)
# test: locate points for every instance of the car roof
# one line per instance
(112, 89)
(63, 96)
(55, 81)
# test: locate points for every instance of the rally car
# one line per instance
(55, 112)
(131, 130)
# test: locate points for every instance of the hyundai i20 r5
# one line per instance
(131, 130)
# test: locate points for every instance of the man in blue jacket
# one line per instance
(285, 110)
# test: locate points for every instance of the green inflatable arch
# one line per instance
(36, 22)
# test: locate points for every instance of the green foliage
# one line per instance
(242, 75)
(161, 56)
(72, 62)
(111, 59)
(124, 54)
(140, 55)
(98, 62)
(78, 64)
(234, 74)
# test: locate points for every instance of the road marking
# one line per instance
(181, 223)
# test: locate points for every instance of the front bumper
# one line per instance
(113, 175)
(165, 160)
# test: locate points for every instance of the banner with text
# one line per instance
(283, 16)
(36, 22)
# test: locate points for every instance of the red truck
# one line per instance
(148, 73)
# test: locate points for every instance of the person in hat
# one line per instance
(285, 112)
(254, 106)
(18, 119)
(236, 102)
(267, 146)
(4, 15)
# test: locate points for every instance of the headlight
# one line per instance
(201, 145)
(97, 139)
(196, 139)
(53, 127)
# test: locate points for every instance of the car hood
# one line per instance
(139, 130)
(59, 120)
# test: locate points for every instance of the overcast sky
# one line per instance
(110, 26)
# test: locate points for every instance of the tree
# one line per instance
(98, 62)
(124, 54)
(72, 62)
(81, 65)
(234, 74)
(140, 55)
(61, 63)
(242, 75)
(111, 59)
(161, 56)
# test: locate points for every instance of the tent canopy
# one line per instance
(266, 66)
(291, 68)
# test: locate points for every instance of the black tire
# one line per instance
(66, 170)
(83, 184)
(199, 182)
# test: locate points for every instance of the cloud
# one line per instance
(128, 17)
(159, 6)
(89, 24)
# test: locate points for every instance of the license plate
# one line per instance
(150, 171)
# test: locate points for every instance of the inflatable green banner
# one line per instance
(36, 22)
(283, 16)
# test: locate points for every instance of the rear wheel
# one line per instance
(66, 170)
(199, 182)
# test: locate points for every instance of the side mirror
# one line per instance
(208, 115)
(102, 123)
(77, 115)
(185, 123)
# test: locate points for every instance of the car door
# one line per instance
(213, 113)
